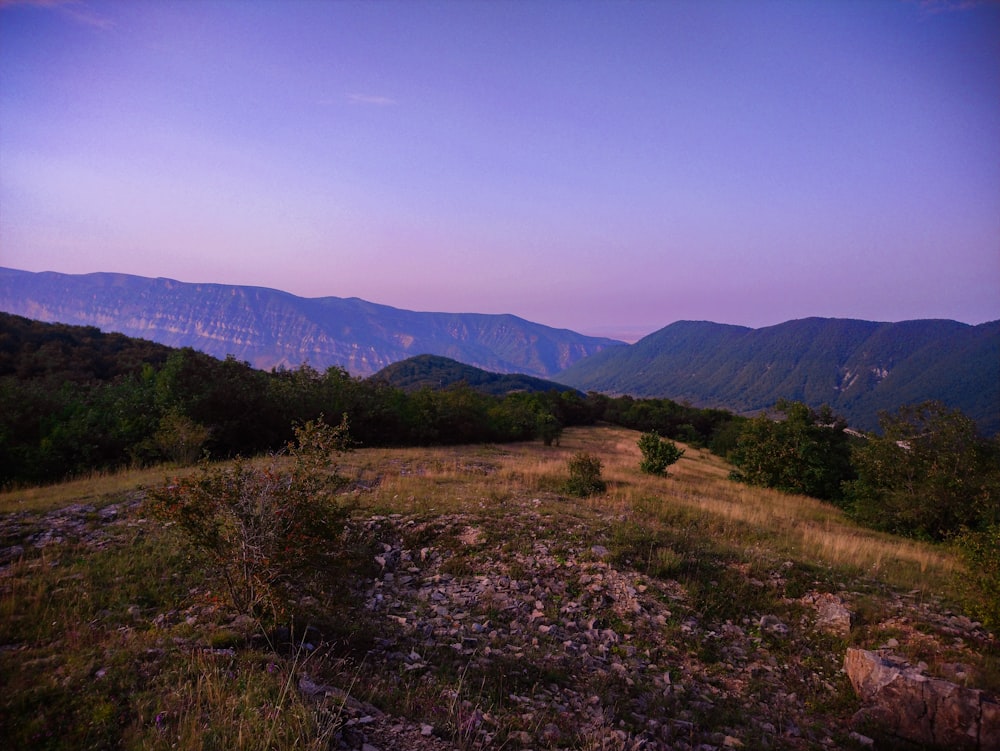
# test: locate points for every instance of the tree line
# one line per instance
(74, 400)
(927, 474)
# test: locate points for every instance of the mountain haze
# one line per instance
(857, 367)
(269, 328)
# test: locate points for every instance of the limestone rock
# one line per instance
(831, 613)
(925, 710)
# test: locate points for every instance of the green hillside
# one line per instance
(857, 367)
(434, 372)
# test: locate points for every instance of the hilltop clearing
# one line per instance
(480, 607)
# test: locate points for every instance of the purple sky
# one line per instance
(608, 167)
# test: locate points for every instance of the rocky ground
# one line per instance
(528, 627)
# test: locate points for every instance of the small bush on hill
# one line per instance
(549, 428)
(585, 476)
(180, 439)
(657, 453)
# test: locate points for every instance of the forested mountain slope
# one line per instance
(32, 350)
(857, 367)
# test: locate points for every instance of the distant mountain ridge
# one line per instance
(269, 328)
(857, 367)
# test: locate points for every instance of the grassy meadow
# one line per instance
(115, 634)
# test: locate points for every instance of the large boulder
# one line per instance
(930, 711)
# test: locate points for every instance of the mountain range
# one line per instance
(270, 329)
(857, 367)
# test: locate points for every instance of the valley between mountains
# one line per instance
(483, 560)
(856, 367)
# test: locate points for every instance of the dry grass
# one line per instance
(445, 480)
(97, 489)
(84, 665)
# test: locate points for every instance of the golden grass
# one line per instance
(795, 526)
(438, 480)
(99, 488)
(743, 518)
(96, 603)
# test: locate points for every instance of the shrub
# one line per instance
(549, 428)
(585, 476)
(180, 439)
(269, 532)
(929, 475)
(657, 453)
(981, 551)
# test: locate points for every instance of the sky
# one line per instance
(607, 167)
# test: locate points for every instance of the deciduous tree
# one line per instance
(802, 451)
(657, 453)
(928, 475)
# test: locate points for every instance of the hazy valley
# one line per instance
(857, 367)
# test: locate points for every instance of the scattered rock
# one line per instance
(594, 650)
(773, 625)
(831, 613)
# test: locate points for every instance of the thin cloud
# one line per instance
(377, 101)
(36, 3)
(75, 10)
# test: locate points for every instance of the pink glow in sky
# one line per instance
(607, 167)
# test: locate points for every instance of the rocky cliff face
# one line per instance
(268, 328)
